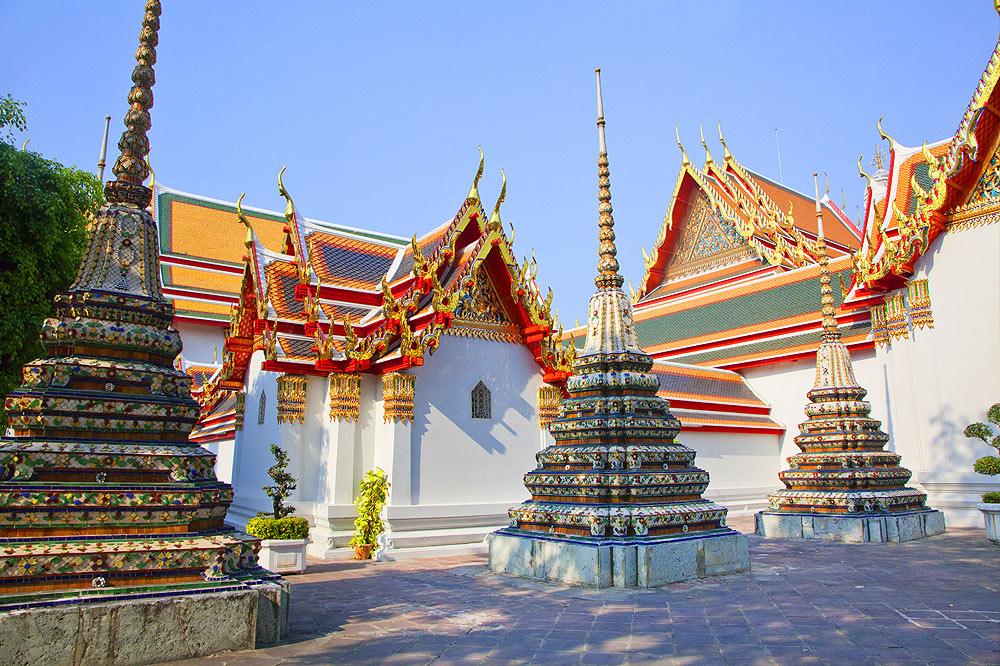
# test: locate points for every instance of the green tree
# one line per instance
(44, 211)
(284, 483)
(989, 465)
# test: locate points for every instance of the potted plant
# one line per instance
(283, 537)
(989, 465)
(369, 502)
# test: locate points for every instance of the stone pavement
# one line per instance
(933, 601)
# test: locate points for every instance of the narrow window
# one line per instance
(261, 408)
(482, 407)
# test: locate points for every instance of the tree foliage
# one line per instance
(284, 483)
(44, 211)
(988, 465)
(12, 118)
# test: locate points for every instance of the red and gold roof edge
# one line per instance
(735, 194)
(891, 247)
(414, 310)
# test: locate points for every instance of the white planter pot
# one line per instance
(283, 556)
(991, 512)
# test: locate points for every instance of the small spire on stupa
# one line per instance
(607, 263)
(830, 330)
(130, 169)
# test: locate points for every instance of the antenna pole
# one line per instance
(104, 150)
(777, 146)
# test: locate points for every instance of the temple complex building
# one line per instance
(733, 279)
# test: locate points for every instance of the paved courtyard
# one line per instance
(935, 601)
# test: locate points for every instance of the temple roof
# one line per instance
(332, 299)
(713, 400)
(928, 190)
(725, 221)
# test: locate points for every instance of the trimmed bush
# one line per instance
(988, 465)
(268, 527)
(992, 497)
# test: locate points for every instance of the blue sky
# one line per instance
(378, 112)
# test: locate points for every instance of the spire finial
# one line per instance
(704, 144)
(607, 262)
(130, 169)
(684, 157)
(494, 222)
(826, 288)
(474, 190)
(726, 155)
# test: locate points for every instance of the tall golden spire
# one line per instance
(830, 330)
(131, 170)
(607, 263)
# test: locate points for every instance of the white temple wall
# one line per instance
(224, 451)
(201, 341)
(253, 444)
(459, 459)
(946, 377)
(741, 466)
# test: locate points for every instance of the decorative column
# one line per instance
(345, 410)
(394, 434)
(844, 485)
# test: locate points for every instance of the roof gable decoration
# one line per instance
(406, 317)
(886, 259)
(738, 200)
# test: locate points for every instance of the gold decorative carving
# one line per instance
(241, 401)
(919, 296)
(291, 399)
(397, 397)
(481, 314)
(549, 398)
(345, 396)
(895, 316)
(880, 335)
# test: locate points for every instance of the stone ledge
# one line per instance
(146, 631)
(618, 565)
(851, 529)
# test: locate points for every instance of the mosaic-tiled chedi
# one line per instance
(99, 487)
(616, 473)
(843, 470)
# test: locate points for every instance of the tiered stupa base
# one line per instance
(851, 528)
(621, 564)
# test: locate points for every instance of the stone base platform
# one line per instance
(137, 630)
(618, 563)
(867, 528)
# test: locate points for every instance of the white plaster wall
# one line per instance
(945, 378)
(200, 340)
(223, 451)
(458, 459)
(741, 467)
(253, 443)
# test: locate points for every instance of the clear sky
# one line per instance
(377, 108)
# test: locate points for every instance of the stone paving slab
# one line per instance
(932, 601)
